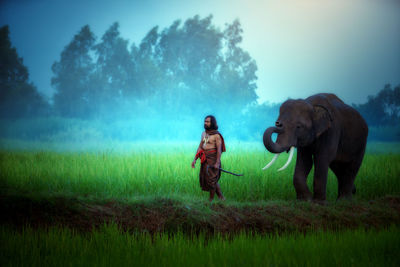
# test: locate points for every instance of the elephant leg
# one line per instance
(339, 169)
(303, 168)
(346, 174)
(320, 178)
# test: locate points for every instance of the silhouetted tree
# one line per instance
(206, 66)
(187, 64)
(72, 76)
(148, 76)
(237, 75)
(114, 71)
(190, 54)
(383, 108)
(18, 97)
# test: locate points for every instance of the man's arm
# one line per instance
(201, 142)
(218, 143)
(198, 149)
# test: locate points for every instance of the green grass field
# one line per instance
(109, 247)
(163, 170)
(143, 171)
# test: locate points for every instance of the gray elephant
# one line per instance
(327, 133)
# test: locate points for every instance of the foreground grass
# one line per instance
(163, 170)
(150, 187)
(161, 215)
(108, 246)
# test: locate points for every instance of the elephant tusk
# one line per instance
(291, 152)
(272, 162)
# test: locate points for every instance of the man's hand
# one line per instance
(216, 165)
(193, 163)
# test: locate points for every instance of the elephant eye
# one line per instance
(298, 126)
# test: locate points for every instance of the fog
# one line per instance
(101, 71)
(160, 89)
(350, 48)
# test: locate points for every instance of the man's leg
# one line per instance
(219, 192)
(212, 192)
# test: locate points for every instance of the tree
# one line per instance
(237, 78)
(189, 55)
(18, 97)
(72, 76)
(149, 76)
(383, 108)
(186, 64)
(114, 70)
(206, 66)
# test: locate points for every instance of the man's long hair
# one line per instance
(214, 125)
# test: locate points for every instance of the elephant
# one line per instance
(327, 133)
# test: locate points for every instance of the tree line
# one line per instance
(18, 96)
(184, 65)
(382, 108)
(188, 68)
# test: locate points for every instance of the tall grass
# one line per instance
(109, 247)
(155, 169)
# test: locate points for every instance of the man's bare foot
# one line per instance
(222, 198)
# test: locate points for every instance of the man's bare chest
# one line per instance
(209, 141)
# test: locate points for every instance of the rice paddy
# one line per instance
(128, 172)
(109, 247)
(163, 170)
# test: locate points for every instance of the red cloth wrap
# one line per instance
(202, 155)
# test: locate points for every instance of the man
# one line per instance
(209, 151)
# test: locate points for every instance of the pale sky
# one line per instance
(347, 47)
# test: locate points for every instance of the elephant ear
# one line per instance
(322, 119)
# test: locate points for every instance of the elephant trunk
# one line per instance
(269, 144)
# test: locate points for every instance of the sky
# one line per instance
(302, 47)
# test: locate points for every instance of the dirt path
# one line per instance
(170, 215)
